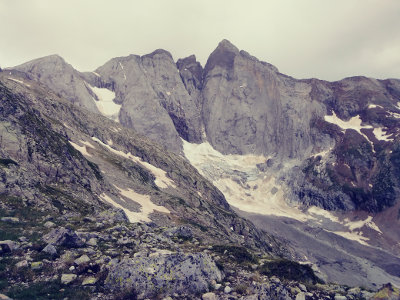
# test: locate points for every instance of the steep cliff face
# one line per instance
(153, 97)
(249, 107)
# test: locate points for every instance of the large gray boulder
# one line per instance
(174, 273)
(63, 237)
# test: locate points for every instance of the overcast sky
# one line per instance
(302, 38)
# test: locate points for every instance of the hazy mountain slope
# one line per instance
(57, 145)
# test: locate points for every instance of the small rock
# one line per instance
(67, 278)
(7, 246)
(302, 287)
(209, 296)
(89, 280)
(50, 249)
(340, 297)
(22, 239)
(217, 286)
(275, 279)
(49, 224)
(167, 298)
(301, 296)
(92, 242)
(82, 260)
(37, 265)
(21, 264)
(10, 219)
(227, 289)
(4, 297)
(71, 268)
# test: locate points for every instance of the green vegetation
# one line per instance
(48, 290)
(241, 254)
(28, 216)
(289, 270)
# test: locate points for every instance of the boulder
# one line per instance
(68, 278)
(50, 249)
(92, 242)
(89, 280)
(227, 289)
(82, 260)
(175, 273)
(63, 237)
(37, 265)
(49, 224)
(22, 264)
(8, 246)
(10, 219)
(209, 296)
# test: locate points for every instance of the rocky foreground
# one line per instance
(103, 256)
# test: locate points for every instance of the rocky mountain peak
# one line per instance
(160, 53)
(226, 45)
(223, 56)
(50, 60)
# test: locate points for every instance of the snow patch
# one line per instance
(122, 67)
(353, 123)
(82, 149)
(352, 236)
(106, 105)
(374, 106)
(96, 74)
(322, 212)
(381, 135)
(162, 181)
(148, 206)
(395, 115)
(19, 81)
(359, 224)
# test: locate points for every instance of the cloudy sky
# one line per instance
(303, 38)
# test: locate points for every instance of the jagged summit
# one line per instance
(222, 56)
(226, 45)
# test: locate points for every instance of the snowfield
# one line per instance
(249, 189)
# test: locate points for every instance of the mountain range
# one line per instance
(201, 154)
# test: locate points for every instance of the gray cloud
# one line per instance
(309, 38)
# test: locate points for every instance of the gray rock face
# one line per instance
(153, 97)
(175, 273)
(62, 78)
(251, 108)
